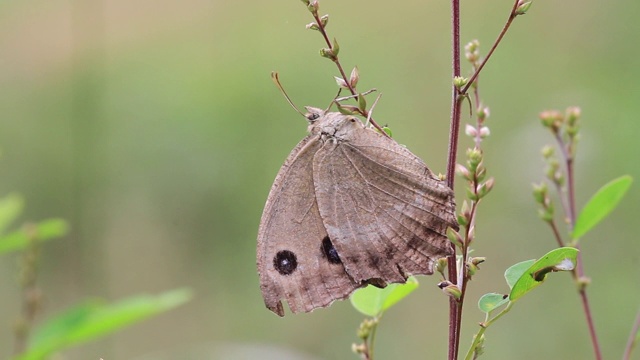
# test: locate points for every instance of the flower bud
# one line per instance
(454, 237)
(324, 20)
(471, 131)
(460, 81)
(341, 83)
(484, 132)
(552, 119)
(313, 6)
(327, 53)
(540, 192)
(450, 289)
(573, 114)
(523, 6)
(463, 171)
(354, 77)
(548, 151)
(441, 264)
(358, 348)
(486, 187)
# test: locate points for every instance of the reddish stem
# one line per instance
(578, 273)
(454, 305)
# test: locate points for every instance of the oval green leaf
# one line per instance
(492, 301)
(561, 259)
(373, 301)
(601, 204)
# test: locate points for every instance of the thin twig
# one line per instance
(506, 26)
(556, 233)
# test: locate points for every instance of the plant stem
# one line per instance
(632, 338)
(30, 291)
(454, 128)
(455, 306)
(578, 273)
(483, 327)
(556, 233)
(372, 339)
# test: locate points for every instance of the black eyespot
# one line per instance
(329, 251)
(285, 262)
(352, 120)
(313, 116)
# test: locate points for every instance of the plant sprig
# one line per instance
(460, 88)
(564, 128)
(331, 52)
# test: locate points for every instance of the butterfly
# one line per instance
(349, 207)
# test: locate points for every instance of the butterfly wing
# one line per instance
(295, 256)
(386, 213)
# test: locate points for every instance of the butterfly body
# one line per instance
(349, 207)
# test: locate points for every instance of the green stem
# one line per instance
(372, 338)
(483, 328)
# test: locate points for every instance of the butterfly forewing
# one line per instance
(384, 209)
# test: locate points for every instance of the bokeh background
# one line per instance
(154, 129)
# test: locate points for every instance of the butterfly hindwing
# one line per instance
(295, 256)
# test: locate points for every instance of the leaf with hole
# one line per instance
(600, 205)
(373, 301)
(515, 271)
(561, 259)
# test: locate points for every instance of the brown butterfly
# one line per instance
(349, 207)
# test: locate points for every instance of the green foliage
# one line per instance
(491, 301)
(42, 231)
(601, 205)
(515, 272)
(94, 319)
(373, 301)
(10, 208)
(561, 259)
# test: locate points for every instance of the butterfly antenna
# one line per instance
(276, 80)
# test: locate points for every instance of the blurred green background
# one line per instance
(154, 129)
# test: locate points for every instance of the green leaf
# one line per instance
(10, 208)
(491, 301)
(561, 259)
(513, 273)
(45, 230)
(601, 204)
(95, 318)
(373, 301)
